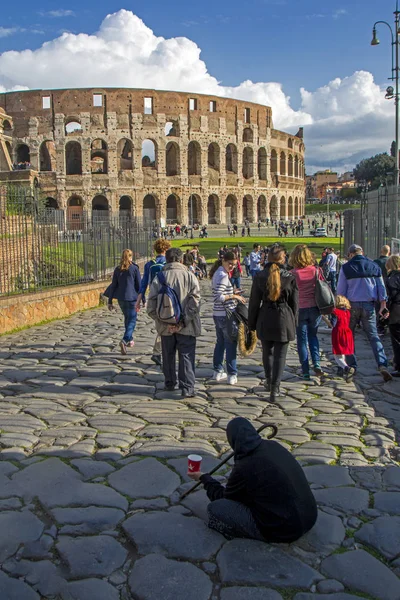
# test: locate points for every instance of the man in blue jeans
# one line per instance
(330, 265)
(361, 281)
(255, 260)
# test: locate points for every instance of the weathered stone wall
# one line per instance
(256, 187)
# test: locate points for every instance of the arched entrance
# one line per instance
(172, 209)
(248, 209)
(149, 208)
(125, 154)
(262, 164)
(262, 208)
(274, 208)
(282, 210)
(23, 155)
(290, 208)
(194, 209)
(212, 207)
(100, 209)
(73, 158)
(47, 156)
(231, 162)
(296, 208)
(231, 209)
(99, 157)
(125, 207)
(74, 212)
(51, 203)
(194, 158)
(172, 159)
(248, 163)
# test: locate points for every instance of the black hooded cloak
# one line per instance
(270, 481)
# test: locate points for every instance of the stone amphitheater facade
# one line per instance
(164, 156)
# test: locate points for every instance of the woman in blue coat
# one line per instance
(125, 288)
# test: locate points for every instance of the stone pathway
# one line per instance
(93, 459)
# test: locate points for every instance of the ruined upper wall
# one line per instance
(123, 101)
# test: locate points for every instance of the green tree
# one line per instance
(349, 193)
(375, 170)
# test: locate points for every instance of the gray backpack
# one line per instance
(324, 298)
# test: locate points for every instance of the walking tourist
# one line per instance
(330, 265)
(361, 282)
(255, 260)
(342, 337)
(382, 260)
(273, 309)
(125, 288)
(393, 290)
(174, 304)
(224, 299)
(151, 268)
(246, 262)
(306, 272)
(267, 496)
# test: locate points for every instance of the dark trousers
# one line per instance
(233, 520)
(186, 347)
(395, 338)
(274, 359)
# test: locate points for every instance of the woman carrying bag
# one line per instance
(273, 309)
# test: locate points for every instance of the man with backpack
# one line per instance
(151, 268)
(174, 304)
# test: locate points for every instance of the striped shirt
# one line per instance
(221, 286)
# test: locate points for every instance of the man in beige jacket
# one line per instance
(180, 337)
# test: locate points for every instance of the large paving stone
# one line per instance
(92, 519)
(391, 477)
(45, 577)
(387, 502)
(17, 528)
(92, 468)
(383, 534)
(337, 596)
(146, 478)
(57, 484)
(173, 535)
(327, 534)
(89, 589)
(13, 589)
(91, 556)
(315, 453)
(328, 476)
(347, 499)
(248, 561)
(249, 593)
(155, 577)
(360, 571)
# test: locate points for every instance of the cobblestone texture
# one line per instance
(92, 461)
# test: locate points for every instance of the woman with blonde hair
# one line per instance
(393, 304)
(125, 288)
(273, 311)
(306, 271)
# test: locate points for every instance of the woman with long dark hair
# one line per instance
(125, 288)
(273, 309)
(224, 299)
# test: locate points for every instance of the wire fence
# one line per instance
(43, 248)
(375, 224)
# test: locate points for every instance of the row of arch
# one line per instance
(289, 165)
(215, 211)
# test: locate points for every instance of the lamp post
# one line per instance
(393, 93)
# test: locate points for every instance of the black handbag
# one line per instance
(324, 298)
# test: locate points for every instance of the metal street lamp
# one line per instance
(393, 93)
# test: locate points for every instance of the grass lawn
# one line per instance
(209, 247)
(313, 209)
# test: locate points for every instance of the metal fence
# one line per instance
(42, 248)
(375, 223)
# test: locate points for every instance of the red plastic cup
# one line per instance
(194, 463)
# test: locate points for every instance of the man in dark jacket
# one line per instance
(382, 260)
(267, 496)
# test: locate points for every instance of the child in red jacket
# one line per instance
(342, 336)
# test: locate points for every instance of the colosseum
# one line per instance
(161, 156)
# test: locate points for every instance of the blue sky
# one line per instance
(298, 43)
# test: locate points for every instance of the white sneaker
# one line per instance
(219, 375)
(232, 379)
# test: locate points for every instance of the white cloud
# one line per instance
(345, 120)
(6, 31)
(60, 13)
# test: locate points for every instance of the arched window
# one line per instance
(73, 158)
(290, 166)
(149, 154)
(213, 156)
(172, 129)
(231, 209)
(125, 154)
(99, 157)
(47, 156)
(290, 143)
(274, 162)
(231, 159)
(172, 159)
(7, 127)
(290, 207)
(283, 208)
(248, 209)
(194, 209)
(72, 125)
(296, 207)
(248, 136)
(262, 164)
(262, 208)
(248, 163)
(23, 155)
(51, 203)
(273, 208)
(100, 203)
(125, 206)
(296, 166)
(212, 204)
(172, 209)
(194, 159)
(149, 208)
(282, 168)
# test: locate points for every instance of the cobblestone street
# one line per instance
(93, 461)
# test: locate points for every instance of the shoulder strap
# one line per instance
(161, 278)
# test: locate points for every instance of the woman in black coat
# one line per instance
(393, 304)
(273, 309)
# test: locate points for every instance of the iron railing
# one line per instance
(42, 248)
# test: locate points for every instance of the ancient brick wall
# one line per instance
(99, 165)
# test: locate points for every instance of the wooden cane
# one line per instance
(259, 430)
